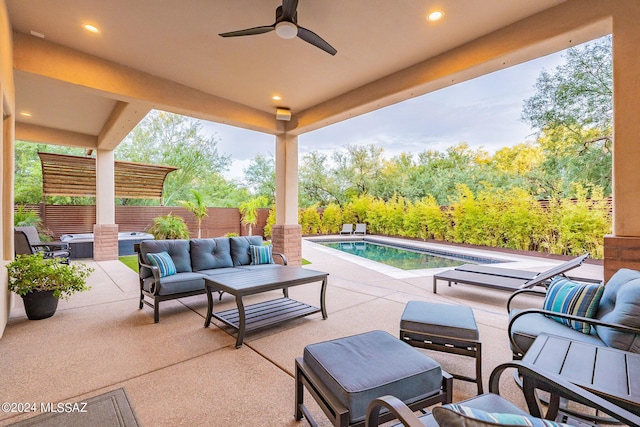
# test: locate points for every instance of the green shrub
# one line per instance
(271, 220)
(584, 223)
(169, 227)
(521, 220)
(24, 217)
(425, 219)
(331, 221)
(309, 220)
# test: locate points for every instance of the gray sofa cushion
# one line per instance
(620, 304)
(210, 253)
(359, 368)
(240, 248)
(259, 267)
(178, 249)
(181, 282)
(216, 271)
(527, 327)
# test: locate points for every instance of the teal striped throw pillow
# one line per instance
(163, 261)
(261, 254)
(567, 297)
(457, 415)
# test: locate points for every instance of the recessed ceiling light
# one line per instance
(276, 97)
(25, 114)
(91, 28)
(36, 34)
(436, 15)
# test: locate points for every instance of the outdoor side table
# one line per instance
(344, 375)
(608, 372)
(443, 327)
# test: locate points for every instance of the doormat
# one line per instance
(112, 409)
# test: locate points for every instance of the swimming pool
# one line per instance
(404, 258)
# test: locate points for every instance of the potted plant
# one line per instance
(41, 281)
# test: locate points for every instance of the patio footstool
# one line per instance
(345, 374)
(443, 327)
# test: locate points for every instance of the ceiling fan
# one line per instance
(286, 26)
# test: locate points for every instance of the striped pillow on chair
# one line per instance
(567, 297)
(163, 261)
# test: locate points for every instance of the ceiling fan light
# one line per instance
(286, 30)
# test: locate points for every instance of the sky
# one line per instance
(484, 112)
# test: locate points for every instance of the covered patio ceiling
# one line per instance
(89, 90)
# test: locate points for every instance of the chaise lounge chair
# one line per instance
(360, 229)
(347, 229)
(503, 279)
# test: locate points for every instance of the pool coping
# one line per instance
(502, 260)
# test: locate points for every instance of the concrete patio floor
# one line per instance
(177, 372)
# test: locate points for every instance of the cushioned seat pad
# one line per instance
(362, 367)
(181, 282)
(445, 320)
(526, 328)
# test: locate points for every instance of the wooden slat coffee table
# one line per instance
(610, 373)
(268, 313)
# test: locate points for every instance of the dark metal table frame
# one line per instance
(267, 313)
(607, 372)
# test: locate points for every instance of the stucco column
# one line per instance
(286, 233)
(105, 231)
(7, 129)
(622, 248)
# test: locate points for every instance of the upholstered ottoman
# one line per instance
(443, 327)
(345, 374)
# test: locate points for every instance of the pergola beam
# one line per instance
(47, 135)
(124, 117)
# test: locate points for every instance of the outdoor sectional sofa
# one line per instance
(194, 260)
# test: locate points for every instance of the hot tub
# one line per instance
(81, 244)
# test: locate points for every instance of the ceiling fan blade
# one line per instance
(311, 37)
(289, 8)
(249, 31)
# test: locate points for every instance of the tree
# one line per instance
(317, 185)
(28, 174)
(260, 177)
(171, 139)
(249, 211)
(572, 111)
(198, 208)
(357, 168)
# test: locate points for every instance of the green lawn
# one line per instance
(130, 261)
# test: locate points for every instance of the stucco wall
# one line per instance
(7, 106)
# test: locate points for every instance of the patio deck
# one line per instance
(176, 372)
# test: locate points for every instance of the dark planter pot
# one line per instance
(40, 304)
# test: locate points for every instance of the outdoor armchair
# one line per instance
(613, 321)
(27, 242)
(499, 407)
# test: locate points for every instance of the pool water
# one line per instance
(402, 258)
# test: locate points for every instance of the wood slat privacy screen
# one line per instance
(64, 175)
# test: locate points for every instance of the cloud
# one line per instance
(483, 112)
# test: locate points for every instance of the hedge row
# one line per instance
(506, 219)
